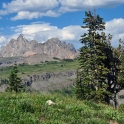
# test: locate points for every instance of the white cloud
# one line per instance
(30, 15)
(44, 31)
(75, 5)
(26, 15)
(116, 28)
(29, 9)
(3, 40)
(29, 5)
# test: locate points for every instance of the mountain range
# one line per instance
(53, 47)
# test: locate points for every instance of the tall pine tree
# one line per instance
(98, 72)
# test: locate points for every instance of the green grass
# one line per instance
(32, 109)
(25, 70)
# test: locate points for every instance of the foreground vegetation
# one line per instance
(32, 109)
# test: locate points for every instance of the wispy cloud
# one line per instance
(75, 5)
(30, 15)
(29, 9)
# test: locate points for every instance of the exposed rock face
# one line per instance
(50, 81)
(45, 82)
(56, 48)
(53, 47)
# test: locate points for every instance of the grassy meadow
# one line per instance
(26, 108)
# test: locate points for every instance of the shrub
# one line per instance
(121, 108)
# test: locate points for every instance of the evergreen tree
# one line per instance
(98, 72)
(15, 82)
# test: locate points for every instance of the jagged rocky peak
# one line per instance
(20, 37)
(52, 47)
(60, 44)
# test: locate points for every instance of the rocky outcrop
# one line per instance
(50, 81)
(52, 47)
(56, 48)
(50, 75)
(15, 47)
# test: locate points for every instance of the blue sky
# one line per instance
(44, 19)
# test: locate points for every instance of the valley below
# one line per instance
(48, 76)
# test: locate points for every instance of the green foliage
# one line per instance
(15, 84)
(68, 60)
(91, 82)
(100, 65)
(79, 88)
(25, 108)
(121, 108)
(69, 91)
